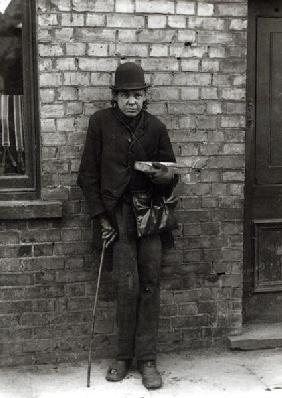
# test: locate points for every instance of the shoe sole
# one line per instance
(110, 378)
(114, 380)
(153, 388)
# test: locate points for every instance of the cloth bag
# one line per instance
(154, 215)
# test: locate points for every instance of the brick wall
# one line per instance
(194, 55)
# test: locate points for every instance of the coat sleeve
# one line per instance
(166, 154)
(89, 175)
(165, 148)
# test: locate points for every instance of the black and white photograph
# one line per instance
(140, 198)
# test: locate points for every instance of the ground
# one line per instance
(200, 373)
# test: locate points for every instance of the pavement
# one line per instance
(257, 336)
(199, 373)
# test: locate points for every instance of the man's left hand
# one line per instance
(161, 174)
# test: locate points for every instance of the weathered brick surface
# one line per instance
(194, 55)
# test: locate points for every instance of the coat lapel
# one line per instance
(140, 129)
(136, 135)
(136, 146)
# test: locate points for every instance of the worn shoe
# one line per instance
(118, 370)
(151, 377)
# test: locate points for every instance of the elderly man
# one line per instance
(116, 138)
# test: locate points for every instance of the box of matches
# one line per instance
(147, 167)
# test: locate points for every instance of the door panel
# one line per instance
(263, 208)
(269, 101)
(268, 256)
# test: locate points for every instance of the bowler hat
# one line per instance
(129, 76)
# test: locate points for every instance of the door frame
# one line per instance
(248, 241)
(256, 8)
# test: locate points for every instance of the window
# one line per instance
(18, 100)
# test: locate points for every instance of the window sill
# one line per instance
(25, 209)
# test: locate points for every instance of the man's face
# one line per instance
(131, 102)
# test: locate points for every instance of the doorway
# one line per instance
(262, 292)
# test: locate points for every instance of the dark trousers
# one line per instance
(137, 272)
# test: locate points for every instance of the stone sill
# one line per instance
(29, 209)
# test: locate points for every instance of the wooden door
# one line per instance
(263, 212)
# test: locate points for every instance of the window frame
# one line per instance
(26, 186)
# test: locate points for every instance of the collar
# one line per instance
(131, 123)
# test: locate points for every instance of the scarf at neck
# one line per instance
(130, 122)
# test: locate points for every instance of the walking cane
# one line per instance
(94, 313)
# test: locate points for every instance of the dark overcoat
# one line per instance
(107, 164)
(111, 148)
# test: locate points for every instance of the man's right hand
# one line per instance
(108, 232)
